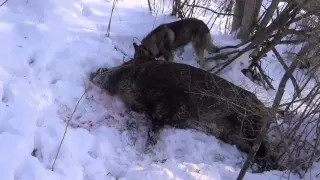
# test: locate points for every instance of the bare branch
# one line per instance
(272, 113)
(285, 67)
(222, 14)
(3, 3)
(269, 13)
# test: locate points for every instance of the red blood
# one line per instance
(90, 123)
(108, 94)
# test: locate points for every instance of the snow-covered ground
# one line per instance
(48, 48)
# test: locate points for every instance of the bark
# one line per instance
(250, 15)
(149, 5)
(269, 12)
(176, 8)
(238, 12)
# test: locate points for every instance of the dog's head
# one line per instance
(142, 51)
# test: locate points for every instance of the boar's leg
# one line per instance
(164, 111)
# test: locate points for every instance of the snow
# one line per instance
(48, 49)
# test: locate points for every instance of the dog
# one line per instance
(183, 96)
(170, 37)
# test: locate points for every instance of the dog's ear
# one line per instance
(135, 46)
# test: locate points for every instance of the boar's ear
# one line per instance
(135, 46)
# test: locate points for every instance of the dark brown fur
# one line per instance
(183, 96)
(142, 56)
(169, 37)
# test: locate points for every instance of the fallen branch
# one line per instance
(221, 56)
(236, 46)
(65, 131)
(264, 78)
(248, 48)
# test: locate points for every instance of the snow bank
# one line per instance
(49, 48)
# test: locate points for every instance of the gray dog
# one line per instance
(166, 38)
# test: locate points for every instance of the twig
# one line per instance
(4, 3)
(223, 14)
(265, 77)
(285, 67)
(149, 4)
(65, 131)
(109, 25)
(295, 101)
(136, 39)
(272, 111)
(118, 49)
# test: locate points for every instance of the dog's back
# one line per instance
(169, 37)
(183, 32)
(186, 29)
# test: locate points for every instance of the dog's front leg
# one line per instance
(168, 56)
(201, 58)
(166, 50)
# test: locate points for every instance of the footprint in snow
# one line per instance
(86, 11)
(6, 94)
(31, 62)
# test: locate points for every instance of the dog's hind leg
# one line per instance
(200, 53)
(210, 47)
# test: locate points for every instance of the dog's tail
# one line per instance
(210, 47)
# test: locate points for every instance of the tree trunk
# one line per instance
(238, 12)
(175, 7)
(250, 16)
